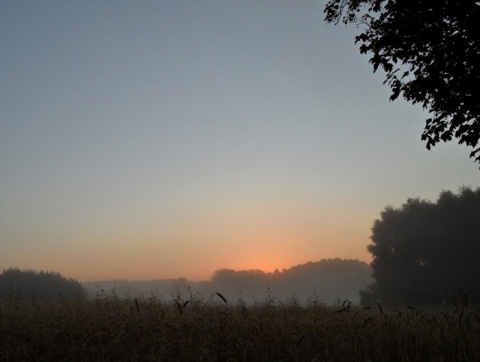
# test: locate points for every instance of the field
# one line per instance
(108, 328)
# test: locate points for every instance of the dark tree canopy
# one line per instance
(425, 252)
(42, 285)
(430, 51)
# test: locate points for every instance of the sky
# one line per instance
(166, 139)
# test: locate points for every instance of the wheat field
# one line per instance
(108, 328)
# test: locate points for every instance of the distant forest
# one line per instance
(16, 283)
(327, 281)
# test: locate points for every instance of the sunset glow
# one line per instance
(172, 139)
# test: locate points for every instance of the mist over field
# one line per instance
(328, 281)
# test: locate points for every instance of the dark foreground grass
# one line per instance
(110, 329)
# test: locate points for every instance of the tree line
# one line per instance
(327, 280)
(39, 284)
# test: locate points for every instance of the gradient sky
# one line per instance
(164, 139)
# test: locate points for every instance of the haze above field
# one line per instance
(152, 140)
(326, 281)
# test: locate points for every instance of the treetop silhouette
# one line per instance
(430, 52)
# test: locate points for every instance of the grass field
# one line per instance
(149, 329)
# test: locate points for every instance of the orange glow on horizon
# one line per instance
(195, 250)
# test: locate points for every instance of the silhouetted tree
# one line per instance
(430, 51)
(42, 285)
(425, 252)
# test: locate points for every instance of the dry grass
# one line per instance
(110, 329)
